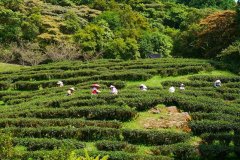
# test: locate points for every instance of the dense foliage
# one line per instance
(37, 31)
(38, 120)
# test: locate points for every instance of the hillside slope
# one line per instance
(47, 124)
(41, 31)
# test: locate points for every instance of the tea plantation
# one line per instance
(44, 122)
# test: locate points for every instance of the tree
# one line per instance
(13, 5)
(72, 23)
(10, 25)
(29, 53)
(185, 43)
(231, 53)
(223, 4)
(238, 14)
(131, 51)
(120, 48)
(93, 38)
(6, 54)
(62, 51)
(112, 18)
(115, 48)
(218, 32)
(155, 43)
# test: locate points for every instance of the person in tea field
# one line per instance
(113, 90)
(95, 89)
(217, 83)
(171, 89)
(60, 84)
(143, 87)
(182, 87)
(70, 91)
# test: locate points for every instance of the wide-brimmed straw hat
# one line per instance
(95, 85)
(59, 82)
(72, 89)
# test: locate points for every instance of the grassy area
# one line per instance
(136, 123)
(157, 80)
(4, 67)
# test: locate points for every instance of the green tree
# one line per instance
(155, 43)
(30, 27)
(231, 53)
(10, 25)
(223, 4)
(185, 43)
(94, 37)
(115, 48)
(112, 18)
(72, 23)
(123, 49)
(131, 49)
(14, 5)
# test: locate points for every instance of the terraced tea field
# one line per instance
(43, 120)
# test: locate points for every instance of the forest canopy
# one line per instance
(126, 29)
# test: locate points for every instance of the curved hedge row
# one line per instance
(95, 113)
(35, 122)
(34, 144)
(96, 133)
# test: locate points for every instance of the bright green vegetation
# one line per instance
(157, 80)
(41, 31)
(4, 67)
(38, 120)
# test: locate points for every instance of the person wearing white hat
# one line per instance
(143, 87)
(70, 91)
(171, 89)
(217, 83)
(113, 90)
(60, 83)
(182, 87)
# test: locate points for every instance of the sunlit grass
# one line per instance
(157, 80)
(4, 67)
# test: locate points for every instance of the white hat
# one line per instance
(59, 82)
(172, 89)
(72, 89)
(218, 81)
(112, 86)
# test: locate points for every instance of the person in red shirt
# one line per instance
(95, 89)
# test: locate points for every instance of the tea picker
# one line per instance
(113, 90)
(95, 89)
(143, 87)
(60, 84)
(217, 83)
(171, 89)
(182, 87)
(70, 91)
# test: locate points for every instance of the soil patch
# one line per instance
(169, 117)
